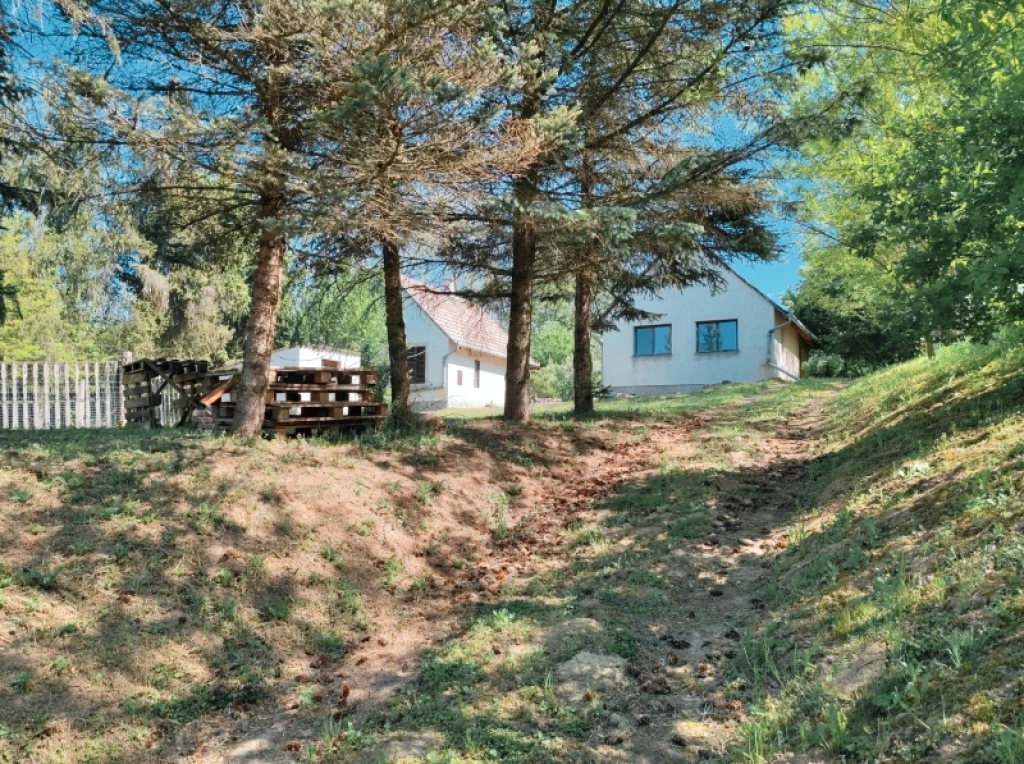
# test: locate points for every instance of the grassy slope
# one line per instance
(153, 581)
(623, 572)
(911, 546)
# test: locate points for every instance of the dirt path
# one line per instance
(679, 706)
(669, 701)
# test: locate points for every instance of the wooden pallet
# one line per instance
(303, 400)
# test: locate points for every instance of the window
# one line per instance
(476, 374)
(652, 340)
(458, 377)
(717, 336)
(417, 364)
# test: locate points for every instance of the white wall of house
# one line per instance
(491, 391)
(421, 331)
(684, 368)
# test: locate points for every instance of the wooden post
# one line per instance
(78, 398)
(108, 392)
(3, 395)
(35, 396)
(46, 395)
(86, 401)
(25, 425)
(67, 396)
(99, 400)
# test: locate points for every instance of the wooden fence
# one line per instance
(41, 395)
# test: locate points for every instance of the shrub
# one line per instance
(825, 365)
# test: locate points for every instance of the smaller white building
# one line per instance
(457, 353)
(701, 337)
(315, 357)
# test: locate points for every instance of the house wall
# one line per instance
(685, 368)
(421, 330)
(786, 351)
(492, 381)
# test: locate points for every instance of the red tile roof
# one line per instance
(465, 322)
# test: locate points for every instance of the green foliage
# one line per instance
(914, 198)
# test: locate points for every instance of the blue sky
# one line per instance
(776, 277)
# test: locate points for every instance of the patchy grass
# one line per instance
(910, 547)
(152, 582)
(614, 582)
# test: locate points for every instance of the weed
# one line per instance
(275, 609)
(363, 527)
(329, 553)
(39, 578)
(20, 495)
(392, 572)
(426, 490)
(23, 681)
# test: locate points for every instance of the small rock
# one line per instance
(716, 592)
(383, 642)
(733, 634)
(747, 542)
(679, 740)
(293, 745)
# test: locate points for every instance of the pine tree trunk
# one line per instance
(259, 338)
(524, 254)
(582, 359)
(395, 320)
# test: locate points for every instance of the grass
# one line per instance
(914, 542)
(155, 578)
(492, 694)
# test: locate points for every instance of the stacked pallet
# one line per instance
(303, 400)
(162, 391)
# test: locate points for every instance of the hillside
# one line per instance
(818, 572)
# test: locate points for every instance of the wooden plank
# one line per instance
(99, 394)
(330, 388)
(78, 398)
(35, 395)
(46, 395)
(87, 395)
(67, 395)
(218, 392)
(24, 397)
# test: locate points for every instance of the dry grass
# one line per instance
(156, 584)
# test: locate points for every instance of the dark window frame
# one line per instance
(476, 374)
(458, 377)
(718, 322)
(653, 328)
(417, 364)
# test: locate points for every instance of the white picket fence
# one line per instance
(43, 396)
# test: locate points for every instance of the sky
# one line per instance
(776, 277)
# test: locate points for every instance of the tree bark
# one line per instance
(259, 338)
(395, 320)
(524, 255)
(582, 358)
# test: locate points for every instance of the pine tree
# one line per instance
(627, 75)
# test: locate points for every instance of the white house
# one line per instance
(737, 334)
(456, 351)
